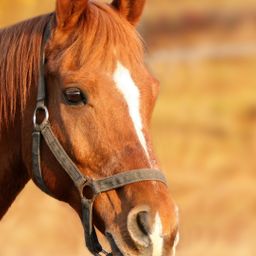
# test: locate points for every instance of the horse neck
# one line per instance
(20, 52)
(12, 173)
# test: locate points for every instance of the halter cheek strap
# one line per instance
(81, 182)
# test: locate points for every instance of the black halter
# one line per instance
(82, 182)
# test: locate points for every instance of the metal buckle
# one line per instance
(46, 116)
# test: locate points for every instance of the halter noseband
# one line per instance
(82, 182)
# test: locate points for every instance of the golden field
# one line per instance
(204, 130)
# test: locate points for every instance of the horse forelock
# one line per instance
(100, 38)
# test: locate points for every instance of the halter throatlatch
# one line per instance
(43, 129)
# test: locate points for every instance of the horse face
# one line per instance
(100, 99)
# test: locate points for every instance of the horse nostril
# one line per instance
(143, 222)
(138, 224)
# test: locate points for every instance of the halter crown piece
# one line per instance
(43, 130)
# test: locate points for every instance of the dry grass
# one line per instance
(174, 8)
(204, 130)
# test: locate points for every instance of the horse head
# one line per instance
(100, 98)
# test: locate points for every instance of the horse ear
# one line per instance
(131, 9)
(68, 12)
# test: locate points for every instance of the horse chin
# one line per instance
(120, 249)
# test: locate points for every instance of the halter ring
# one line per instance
(46, 116)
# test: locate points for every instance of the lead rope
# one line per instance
(43, 129)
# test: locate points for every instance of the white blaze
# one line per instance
(177, 238)
(176, 241)
(130, 91)
(156, 237)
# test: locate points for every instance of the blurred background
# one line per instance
(204, 128)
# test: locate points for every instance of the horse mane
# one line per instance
(101, 35)
(19, 65)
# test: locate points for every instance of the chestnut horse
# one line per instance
(100, 99)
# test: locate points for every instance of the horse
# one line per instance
(79, 74)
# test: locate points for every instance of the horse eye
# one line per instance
(74, 96)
